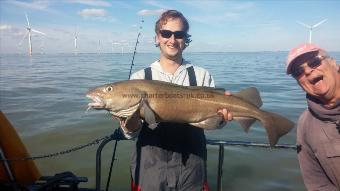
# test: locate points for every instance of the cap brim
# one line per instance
(289, 65)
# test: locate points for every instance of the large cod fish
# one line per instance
(158, 101)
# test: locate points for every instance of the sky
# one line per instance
(215, 26)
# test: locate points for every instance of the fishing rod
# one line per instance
(134, 52)
(117, 135)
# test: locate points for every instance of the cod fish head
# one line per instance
(101, 97)
(111, 97)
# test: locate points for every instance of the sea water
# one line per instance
(44, 98)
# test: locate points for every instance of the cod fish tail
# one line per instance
(276, 126)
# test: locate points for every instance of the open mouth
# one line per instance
(96, 103)
(316, 80)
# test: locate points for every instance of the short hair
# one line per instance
(173, 14)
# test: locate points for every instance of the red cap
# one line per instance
(298, 51)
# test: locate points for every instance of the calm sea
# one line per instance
(44, 98)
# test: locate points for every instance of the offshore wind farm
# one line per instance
(240, 27)
(123, 44)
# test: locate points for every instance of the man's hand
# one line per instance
(226, 115)
(131, 124)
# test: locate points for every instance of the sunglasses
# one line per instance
(312, 63)
(177, 34)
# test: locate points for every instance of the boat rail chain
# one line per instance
(99, 140)
(67, 151)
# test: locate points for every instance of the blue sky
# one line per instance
(215, 26)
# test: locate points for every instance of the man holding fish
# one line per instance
(173, 156)
(162, 106)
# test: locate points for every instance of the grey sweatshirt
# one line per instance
(318, 140)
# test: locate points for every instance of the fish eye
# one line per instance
(109, 88)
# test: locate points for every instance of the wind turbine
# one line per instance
(113, 45)
(121, 46)
(99, 47)
(311, 27)
(29, 31)
(75, 42)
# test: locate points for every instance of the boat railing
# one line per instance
(117, 136)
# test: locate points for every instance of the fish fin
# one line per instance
(245, 122)
(149, 115)
(251, 95)
(276, 126)
(210, 123)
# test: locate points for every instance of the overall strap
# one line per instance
(190, 70)
(148, 73)
(192, 76)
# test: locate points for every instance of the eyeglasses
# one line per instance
(177, 34)
(312, 63)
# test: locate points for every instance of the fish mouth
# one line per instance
(96, 103)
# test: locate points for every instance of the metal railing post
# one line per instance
(220, 166)
(117, 135)
(98, 161)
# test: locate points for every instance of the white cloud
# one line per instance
(98, 3)
(5, 27)
(93, 13)
(97, 15)
(39, 4)
(11, 31)
(146, 12)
